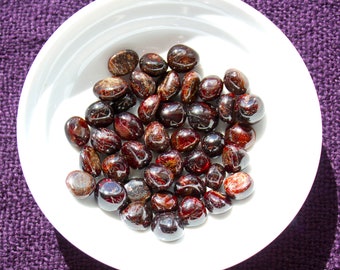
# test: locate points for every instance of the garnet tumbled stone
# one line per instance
(110, 195)
(123, 62)
(197, 162)
(77, 131)
(172, 114)
(192, 211)
(81, 184)
(202, 116)
(240, 135)
(184, 139)
(128, 126)
(156, 138)
(169, 86)
(171, 159)
(137, 215)
(167, 226)
(116, 167)
(182, 58)
(111, 88)
(158, 177)
(136, 154)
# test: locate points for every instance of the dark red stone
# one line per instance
(189, 185)
(172, 160)
(182, 58)
(210, 88)
(116, 168)
(105, 140)
(164, 202)
(90, 161)
(190, 85)
(202, 116)
(240, 135)
(142, 84)
(128, 126)
(77, 131)
(197, 162)
(169, 86)
(123, 62)
(111, 88)
(185, 139)
(215, 176)
(99, 114)
(136, 154)
(148, 108)
(156, 137)
(234, 158)
(235, 81)
(153, 64)
(172, 114)
(192, 211)
(158, 177)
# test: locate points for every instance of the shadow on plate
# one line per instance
(307, 241)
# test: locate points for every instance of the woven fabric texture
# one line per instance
(311, 241)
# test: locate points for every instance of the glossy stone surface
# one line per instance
(105, 140)
(234, 158)
(190, 85)
(123, 62)
(235, 81)
(189, 185)
(99, 114)
(215, 176)
(156, 138)
(182, 58)
(158, 177)
(184, 139)
(110, 195)
(136, 154)
(192, 211)
(137, 216)
(77, 131)
(111, 88)
(172, 114)
(250, 108)
(116, 168)
(142, 84)
(81, 184)
(202, 116)
(89, 161)
(172, 160)
(153, 64)
(212, 144)
(148, 108)
(210, 88)
(128, 126)
(226, 105)
(239, 185)
(216, 202)
(169, 86)
(164, 202)
(167, 226)
(137, 190)
(197, 162)
(240, 135)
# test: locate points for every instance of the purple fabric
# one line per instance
(312, 240)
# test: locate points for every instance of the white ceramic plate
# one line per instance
(225, 34)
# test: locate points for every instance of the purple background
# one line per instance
(312, 240)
